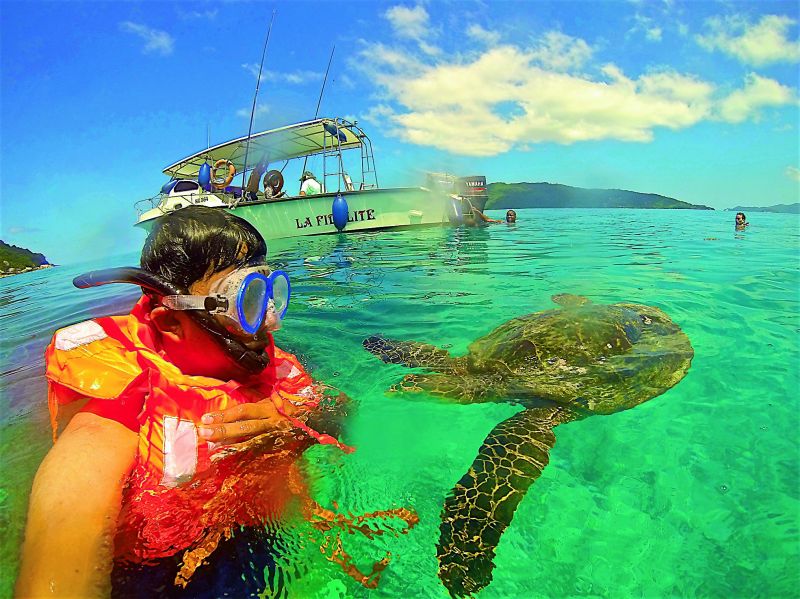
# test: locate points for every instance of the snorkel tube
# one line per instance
(252, 361)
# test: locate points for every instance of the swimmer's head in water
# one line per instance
(198, 246)
(190, 244)
(511, 216)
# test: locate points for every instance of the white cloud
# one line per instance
(653, 34)
(23, 230)
(478, 33)
(300, 77)
(758, 92)
(647, 25)
(155, 40)
(756, 44)
(261, 109)
(208, 15)
(407, 22)
(429, 49)
(346, 81)
(390, 58)
(561, 52)
(793, 172)
(292, 78)
(252, 69)
(507, 97)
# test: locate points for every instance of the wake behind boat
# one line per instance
(340, 202)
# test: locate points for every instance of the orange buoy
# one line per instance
(219, 182)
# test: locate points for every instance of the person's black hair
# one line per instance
(193, 242)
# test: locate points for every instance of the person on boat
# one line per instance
(309, 185)
(187, 419)
(741, 221)
(511, 217)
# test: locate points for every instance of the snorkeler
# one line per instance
(511, 217)
(167, 452)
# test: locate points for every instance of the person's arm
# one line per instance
(483, 217)
(74, 505)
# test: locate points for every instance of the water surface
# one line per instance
(694, 493)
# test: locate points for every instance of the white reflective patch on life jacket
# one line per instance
(79, 334)
(180, 451)
(307, 391)
(286, 370)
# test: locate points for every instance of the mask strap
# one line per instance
(248, 359)
(191, 302)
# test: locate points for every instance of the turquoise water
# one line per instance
(693, 494)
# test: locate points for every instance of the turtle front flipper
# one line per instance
(409, 353)
(457, 388)
(482, 504)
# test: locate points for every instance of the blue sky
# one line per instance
(694, 100)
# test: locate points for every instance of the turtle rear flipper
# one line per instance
(408, 353)
(482, 504)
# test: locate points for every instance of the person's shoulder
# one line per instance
(85, 358)
(77, 335)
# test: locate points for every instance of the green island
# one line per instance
(555, 195)
(779, 208)
(15, 260)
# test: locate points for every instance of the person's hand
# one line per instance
(241, 422)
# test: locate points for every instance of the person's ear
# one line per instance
(167, 323)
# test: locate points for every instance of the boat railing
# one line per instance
(332, 151)
(146, 204)
(167, 203)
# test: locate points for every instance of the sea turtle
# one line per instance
(561, 365)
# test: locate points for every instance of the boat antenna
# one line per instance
(327, 70)
(319, 100)
(255, 98)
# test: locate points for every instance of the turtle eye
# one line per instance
(645, 319)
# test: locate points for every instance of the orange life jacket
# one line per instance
(179, 487)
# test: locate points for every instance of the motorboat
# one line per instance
(349, 197)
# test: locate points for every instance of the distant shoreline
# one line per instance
(556, 195)
(24, 270)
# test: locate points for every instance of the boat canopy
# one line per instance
(292, 141)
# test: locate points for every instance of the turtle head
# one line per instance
(568, 300)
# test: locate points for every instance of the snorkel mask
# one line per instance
(246, 301)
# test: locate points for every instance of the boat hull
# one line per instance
(366, 209)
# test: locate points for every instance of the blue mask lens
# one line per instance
(252, 302)
(280, 291)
